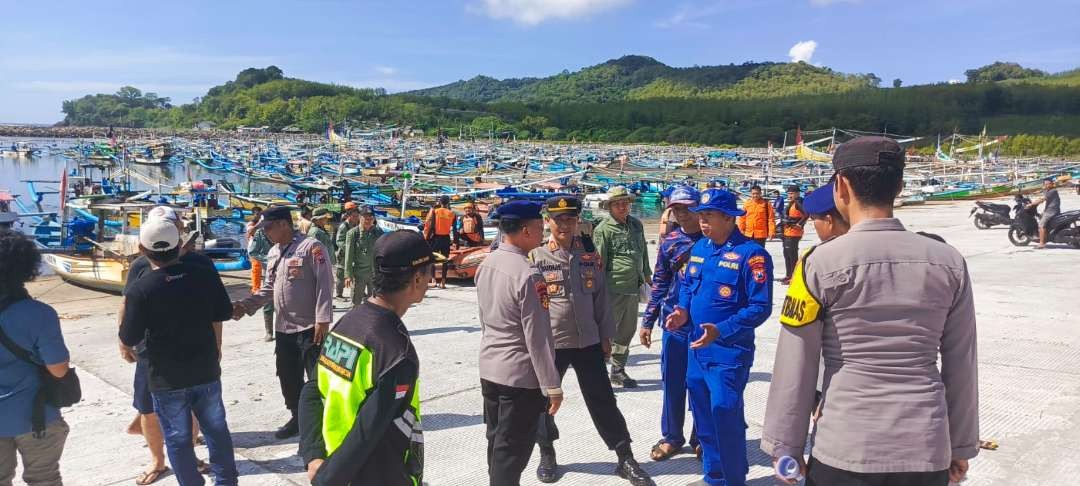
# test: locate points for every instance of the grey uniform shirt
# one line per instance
(1053, 202)
(580, 313)
(516, 348)
(891, 301)
(301, 286)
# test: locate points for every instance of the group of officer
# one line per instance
(545, 306)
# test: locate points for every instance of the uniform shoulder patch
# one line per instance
(340, 356)
(542, 293)
(758, 268)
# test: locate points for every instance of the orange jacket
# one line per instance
(796, 217)
(440, 222)
(760, 220)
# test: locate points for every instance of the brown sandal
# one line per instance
(659, 454)
(202, 467)
(150, 477)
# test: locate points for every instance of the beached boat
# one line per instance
(464, 262)
(8, 215)
(96, 272)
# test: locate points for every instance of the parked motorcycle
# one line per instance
(1063, 228)
(987, 214)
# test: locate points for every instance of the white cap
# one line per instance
(159, 235)
(163, 212)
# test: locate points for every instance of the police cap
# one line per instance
(868, 152)
(820, 201)
(401, 250)
(519, 209)
(563, 204)
(274, 213)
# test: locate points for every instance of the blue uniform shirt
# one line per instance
(729, 285)
(671, 259)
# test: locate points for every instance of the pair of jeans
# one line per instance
(174, 409)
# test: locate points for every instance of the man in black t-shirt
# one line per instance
(174, 308)
(146, 422)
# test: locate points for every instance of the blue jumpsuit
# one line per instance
(730, 286)
(671, 259)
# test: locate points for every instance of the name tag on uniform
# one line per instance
(729, 265)
(295, 262)
(696, 259)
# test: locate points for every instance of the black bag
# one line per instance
(58, 392)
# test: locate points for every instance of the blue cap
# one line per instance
(718, 200)
(820, 201)
(683, 195)
(667, 191)
(519, 209)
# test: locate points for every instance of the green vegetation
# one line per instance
(632, 99)
(1001, 71)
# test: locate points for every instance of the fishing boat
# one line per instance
(464, 262)
(107, 273)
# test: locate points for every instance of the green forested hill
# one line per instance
(641, 77)
(631, 99)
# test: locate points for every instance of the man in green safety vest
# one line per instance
(360, 419)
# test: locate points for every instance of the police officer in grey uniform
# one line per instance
(889, 414)
(583, 327)
(517, 353)
(300, 283)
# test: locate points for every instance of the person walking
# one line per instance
(725, 294)
(350, 220)
(360, 256)
(439, 232)
(35, 431)
(759, 222)
(857, 289)
(671, 259)
(300, 285)
(792, 221)
(347, 411)
(582, 326)
(620, 240)
(517, 353)
(178, 308)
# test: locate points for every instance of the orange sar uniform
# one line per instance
(760, 221)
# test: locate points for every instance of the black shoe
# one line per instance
(631, 471)
(620, 378)
(290, 429)
(547, 471)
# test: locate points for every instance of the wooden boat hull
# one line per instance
(98, 273)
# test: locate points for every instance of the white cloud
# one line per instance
(533, 12)
(826, 3)
(956, 81)
(691, 16)
(802, 51)
(386, 70)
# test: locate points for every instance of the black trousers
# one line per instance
(295, 355)
(510, 415)
(599, 398)
(819, 474)
(791, 253)
(441, 244)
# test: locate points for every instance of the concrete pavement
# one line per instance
(1029, 345)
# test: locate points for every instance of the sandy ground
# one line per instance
(1029, 383)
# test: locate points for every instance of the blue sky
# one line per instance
(56, 50)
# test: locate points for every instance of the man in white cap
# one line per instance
(146, 423)
(177, 308)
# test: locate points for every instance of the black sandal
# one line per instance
(658, 453)
(150, 477)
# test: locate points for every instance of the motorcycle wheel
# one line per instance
(980, 223)
(1018, 237)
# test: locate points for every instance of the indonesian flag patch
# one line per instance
(401, 391)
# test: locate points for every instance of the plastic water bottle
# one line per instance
(788, 467)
